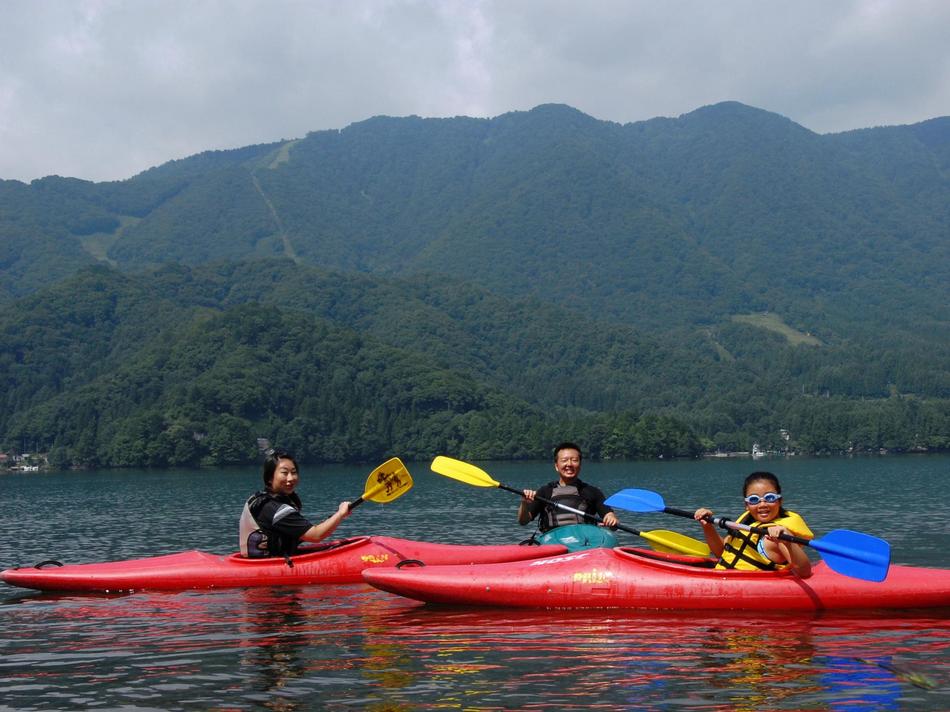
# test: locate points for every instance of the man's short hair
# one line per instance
(567, 446)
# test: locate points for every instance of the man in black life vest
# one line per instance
(568, 490)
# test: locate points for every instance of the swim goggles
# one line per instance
(768, 498)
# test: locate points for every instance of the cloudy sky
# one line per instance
(104, 89)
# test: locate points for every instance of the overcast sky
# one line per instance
(104, 89)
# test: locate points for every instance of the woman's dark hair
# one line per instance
(567, 446)
(270, 464)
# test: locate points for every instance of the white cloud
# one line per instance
(104, 89)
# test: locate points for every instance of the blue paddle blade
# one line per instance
(854, 554)
(636, 500)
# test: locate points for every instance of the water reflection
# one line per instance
(653, 661)
(270, 643)
(345, 646)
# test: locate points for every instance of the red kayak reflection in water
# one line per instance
(647, 659)
(337, 647)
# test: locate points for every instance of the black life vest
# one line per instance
(257, 540)
(569, 496)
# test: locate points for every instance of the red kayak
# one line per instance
(636, 578)
(335, 562)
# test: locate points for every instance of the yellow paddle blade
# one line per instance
(462, 471)
(387, 482)
(675, 543)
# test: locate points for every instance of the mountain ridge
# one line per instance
(710, 197)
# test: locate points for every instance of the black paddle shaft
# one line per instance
(588, 515)
(724, 523)
(728, 524)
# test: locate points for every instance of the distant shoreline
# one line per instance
(45, 466)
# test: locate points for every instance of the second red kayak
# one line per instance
(637, 578)
(332, 563)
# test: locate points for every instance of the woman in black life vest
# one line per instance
(271, 523)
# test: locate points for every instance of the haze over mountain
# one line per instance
(747, 249)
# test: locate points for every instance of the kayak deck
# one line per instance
(635, 578)
(332, 563)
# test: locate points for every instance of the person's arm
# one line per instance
(525, 514)
(713, 540)
(596, 497)
(319, 532)
(791, 552)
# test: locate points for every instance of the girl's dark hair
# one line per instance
(270, 464)
(755, 476)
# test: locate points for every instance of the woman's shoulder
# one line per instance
(259, 500)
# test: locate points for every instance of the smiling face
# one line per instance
(763, 512)
(285, 477)
(568, 464)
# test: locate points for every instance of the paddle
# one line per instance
(667, 541)
(387, 482)
(850, 553)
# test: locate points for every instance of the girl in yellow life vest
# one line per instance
(760, 548)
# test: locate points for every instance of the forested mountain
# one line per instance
(725, 209)
(193, 365)
(728, 271)
(186, 365)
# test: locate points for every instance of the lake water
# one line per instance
(352, 647)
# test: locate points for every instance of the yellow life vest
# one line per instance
(741, 548)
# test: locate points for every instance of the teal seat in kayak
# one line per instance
(580, 536)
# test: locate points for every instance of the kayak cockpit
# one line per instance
(303, 554)
(684, 563)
